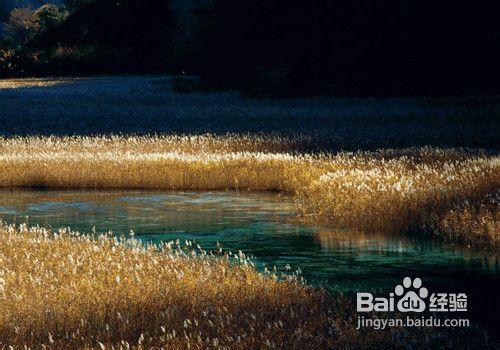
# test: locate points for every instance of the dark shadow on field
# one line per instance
(148, 105)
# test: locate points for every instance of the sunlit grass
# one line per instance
(64, 290)
(452, 194)
(31, 82)
(67, 290)
(445, 193)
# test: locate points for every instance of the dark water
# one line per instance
(263, 225)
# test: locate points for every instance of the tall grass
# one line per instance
(445, 193)
(452, 194)
(63, 290)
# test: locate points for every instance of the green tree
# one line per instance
(20, 26)
(48, 17)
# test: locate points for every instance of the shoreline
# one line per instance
(448, 194)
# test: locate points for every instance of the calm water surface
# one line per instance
(263, 225)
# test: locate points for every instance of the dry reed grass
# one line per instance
(446, 193)
(452, 194)
(63, 290)
(66, 290)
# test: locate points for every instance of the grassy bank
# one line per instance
(450, 194)
(66, 290)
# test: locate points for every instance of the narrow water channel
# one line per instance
(263, 225)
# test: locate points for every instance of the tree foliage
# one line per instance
(283, 47)
(48, 17)
(25, 24)
(140, 29)
(20, 25)
(352, 47)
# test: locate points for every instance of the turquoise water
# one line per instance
(259, 224)
(264, 225)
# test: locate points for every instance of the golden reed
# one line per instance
(65, 290)
(451, 194)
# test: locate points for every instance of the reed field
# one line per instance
(64, 290)
(449, 194)
(412, 166)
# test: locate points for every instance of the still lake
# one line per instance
(264, 226)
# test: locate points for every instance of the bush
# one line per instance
(82, 59)
(61, 60)
(8, 58)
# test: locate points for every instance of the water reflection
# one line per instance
(361, 243)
